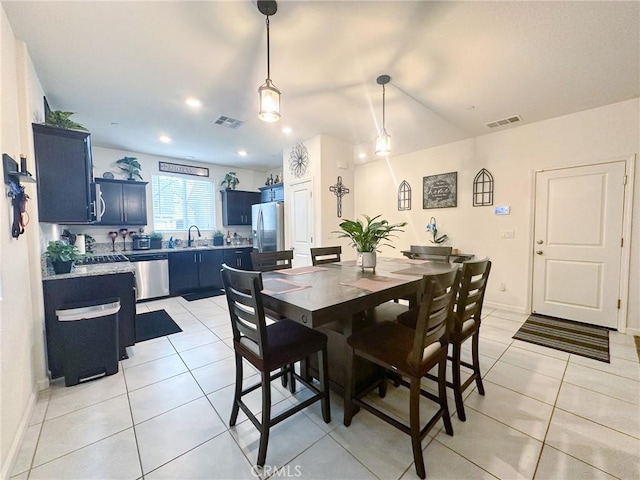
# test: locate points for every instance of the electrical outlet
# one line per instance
(503, 287)
(507, 233)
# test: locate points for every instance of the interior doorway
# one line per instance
(301, 231)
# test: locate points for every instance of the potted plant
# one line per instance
(62, 256)
(58, 118)
(218, 238)
(130, 167)
(231, 180)
(155, 240)
(368, 237)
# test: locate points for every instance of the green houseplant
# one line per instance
(231, 180)
(63, 255)
(58, 118)
(218, 238)
(367, 237)
(155, 240)
(130, 167)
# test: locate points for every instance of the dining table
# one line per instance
(339, 298)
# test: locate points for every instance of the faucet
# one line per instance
(189, 241)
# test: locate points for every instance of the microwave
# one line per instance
(141, 242)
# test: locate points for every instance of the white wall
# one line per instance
(512, 155)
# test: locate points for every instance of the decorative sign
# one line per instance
(440, 191)
(183, 169)
(340, 191)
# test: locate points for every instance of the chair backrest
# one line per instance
(437, 254)
(473, 284)
(268, 261)
(435, 312)
(242, 288)
(320, 255)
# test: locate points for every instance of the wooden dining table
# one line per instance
(336, 298)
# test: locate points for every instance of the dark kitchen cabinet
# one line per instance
(238, 258)
(82, 289)
(125, 202)
(236, 206)
(193, 270)
(64, 171)
(272, 193)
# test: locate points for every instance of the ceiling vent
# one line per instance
(228, 122)
(504, 121)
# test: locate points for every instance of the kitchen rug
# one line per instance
(572, 337)
(154, 324)
(190, 297)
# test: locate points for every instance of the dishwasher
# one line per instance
(152, 275)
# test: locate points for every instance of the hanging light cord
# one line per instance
(383, 102)
(268, 50)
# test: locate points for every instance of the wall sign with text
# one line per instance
(183, 169)
(440, 191)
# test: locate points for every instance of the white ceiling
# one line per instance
(126, 68)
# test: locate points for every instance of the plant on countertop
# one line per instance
(369, 236)
(130, 167)
(63, 255)
(155, 240)
(231, 180)
(218, 238)
(155, 236)
(433, 230)
(58, 118)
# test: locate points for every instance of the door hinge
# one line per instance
(622, 242)
(618, 304)
(624, 180)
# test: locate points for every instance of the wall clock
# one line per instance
(299, 160)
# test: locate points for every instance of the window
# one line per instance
(179, 203)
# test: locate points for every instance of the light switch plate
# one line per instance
(502, 210)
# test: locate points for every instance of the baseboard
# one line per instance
(509, 308)
(17, 440)
(633, 331)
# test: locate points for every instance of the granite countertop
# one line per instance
(184, 249)
(91, 270)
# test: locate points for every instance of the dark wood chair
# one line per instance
(269, 261)
(320, 255)
(269, 348)
(409, 353)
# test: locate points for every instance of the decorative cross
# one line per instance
(340, 191)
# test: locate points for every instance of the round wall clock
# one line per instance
(299, 160)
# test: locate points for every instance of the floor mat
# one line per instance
(154, 324)
(190, 297)
(572, 337)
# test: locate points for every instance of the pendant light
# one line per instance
(383, 142)
(269, 94)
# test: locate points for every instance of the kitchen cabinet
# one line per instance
(272, 193)
(59, 292)
(64, 171)
(193, 270)
(125, 202)
(236, 206)
(238, 258)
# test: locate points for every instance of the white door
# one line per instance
(578, 243)
(302, 222)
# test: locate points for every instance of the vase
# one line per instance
(155, 243)
(367, 260)
(62, 267)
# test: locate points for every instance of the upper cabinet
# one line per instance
(272, 193)
(125, 202)
(236, 206)
(64, 172)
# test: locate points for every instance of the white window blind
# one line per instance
(179, 203)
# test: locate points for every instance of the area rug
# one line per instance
(572, 337)
(190, 297)
(154, 324)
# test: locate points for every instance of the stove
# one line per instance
(110, 258)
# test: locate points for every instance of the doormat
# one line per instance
(154, 324)
(190, 297)
(572, 337)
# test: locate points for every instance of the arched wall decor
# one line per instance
(483, 188)
(404, 196)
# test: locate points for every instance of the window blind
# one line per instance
(179, 203)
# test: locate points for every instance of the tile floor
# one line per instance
(164, 415)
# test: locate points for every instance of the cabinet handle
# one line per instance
(195, 258)
(200, 257)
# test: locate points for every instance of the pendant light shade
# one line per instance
(383, 141)
(268, 93)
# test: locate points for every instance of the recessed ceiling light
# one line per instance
(242, 153)
(165, 139)
(286, 130)
(362, 155)
(193, 102)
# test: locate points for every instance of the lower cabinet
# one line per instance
(238, 258)
(193, 270)
(82, 289)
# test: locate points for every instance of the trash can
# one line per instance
(90, 339)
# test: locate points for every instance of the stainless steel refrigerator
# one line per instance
(267, 226)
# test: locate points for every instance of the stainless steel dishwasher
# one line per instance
(152, 274)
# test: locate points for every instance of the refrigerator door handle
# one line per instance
(260, 230)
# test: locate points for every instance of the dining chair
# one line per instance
(409, 353)
(269, 348)
(321, 255)
(269, 261)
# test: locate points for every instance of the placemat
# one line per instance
(374, 284)
(275, 285)
(301, 270)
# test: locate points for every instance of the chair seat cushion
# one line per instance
(391, 343)
(287, 342)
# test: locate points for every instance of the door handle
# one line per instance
(539, 242)
(539, 252)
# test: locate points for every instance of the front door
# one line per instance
(578, 243)
(302, 222)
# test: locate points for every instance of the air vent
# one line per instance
(505, 121)
(228, 122)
